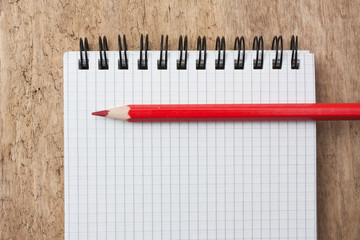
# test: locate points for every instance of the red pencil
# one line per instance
(234, 112)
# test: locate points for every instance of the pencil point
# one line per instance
(101, 113)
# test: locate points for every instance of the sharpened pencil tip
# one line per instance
(101, 113)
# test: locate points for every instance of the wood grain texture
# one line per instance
(35, 34)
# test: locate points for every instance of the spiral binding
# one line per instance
(143, 63)
(84, 61)
(257, 44)
(201, 47)
(277, 62)
(220, 46)
(122, 63)
(181, 63)
(162, 63)
(295, 63)
(239, 45)
(103, 47)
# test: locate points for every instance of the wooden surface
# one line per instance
(35, 34)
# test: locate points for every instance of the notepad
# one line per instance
(188, 180)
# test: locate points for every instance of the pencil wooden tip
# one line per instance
(101, 113)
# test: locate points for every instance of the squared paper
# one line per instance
(208, 180)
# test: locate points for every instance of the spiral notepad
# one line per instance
(188, 180)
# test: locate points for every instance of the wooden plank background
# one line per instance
(35, 34)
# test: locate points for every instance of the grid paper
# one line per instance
(208, 180)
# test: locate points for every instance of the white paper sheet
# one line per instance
(223, 180)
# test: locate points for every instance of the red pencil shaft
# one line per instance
(245, 112)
